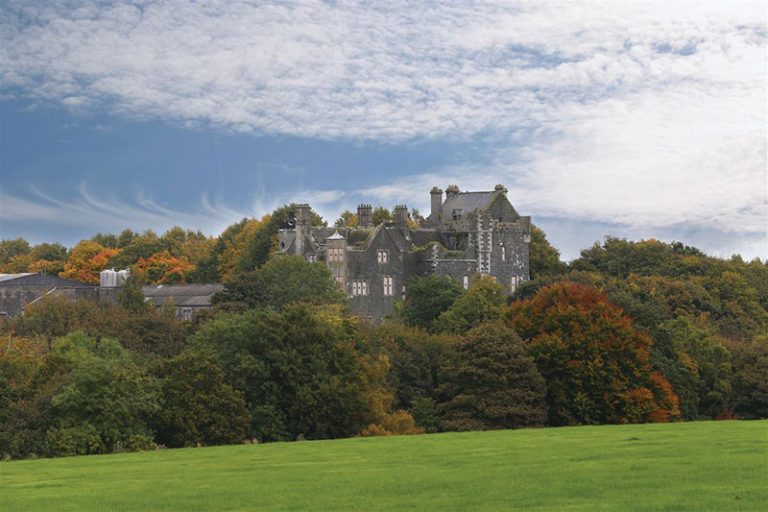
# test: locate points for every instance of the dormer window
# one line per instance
(457, 214)
(382, 256)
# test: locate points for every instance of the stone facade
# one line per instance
(466, 234)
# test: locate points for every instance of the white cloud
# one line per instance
(646, 115)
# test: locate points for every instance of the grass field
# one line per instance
(686, 466)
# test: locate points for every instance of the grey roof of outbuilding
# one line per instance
(182, 295)
(182, 290)
(10, 277)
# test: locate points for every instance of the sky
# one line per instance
(637, 120)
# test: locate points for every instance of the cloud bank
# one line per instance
(645, 115)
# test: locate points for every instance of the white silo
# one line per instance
(122, 277)
(108, 278)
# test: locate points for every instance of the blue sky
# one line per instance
(629, 119)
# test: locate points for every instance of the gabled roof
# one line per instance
(468, 202)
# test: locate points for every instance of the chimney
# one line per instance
(364, 215)
(437, 203)
(302, 221)
(500, 188)
(401, 215)
(451, 191)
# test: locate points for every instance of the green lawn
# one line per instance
(686, 466)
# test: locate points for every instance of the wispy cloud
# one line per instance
(642, 114)
(109, 213)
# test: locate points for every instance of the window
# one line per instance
(457, 214)
(388, 286)
(513, 284)
(382, 256)
(503, 253)
(359, 288)
(186, 313)
(312, 258)
(466, 282)
(335, 254)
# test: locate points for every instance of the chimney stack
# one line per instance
(451, 191)
(401, 215)
(364, 215)
(437, 203)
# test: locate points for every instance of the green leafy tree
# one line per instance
(492, 383)
(299, 370)
(381, 215)
(416, 359)
(544, 258)
(199, 407)
(283, 280)
(346, 219)
(750, 378)
(427, 298)
(481, 303)
(107, 402)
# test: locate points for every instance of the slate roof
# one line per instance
(10, 277)
(468, 201)
(182, 294)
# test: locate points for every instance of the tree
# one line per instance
(481, 303)
(299, 370)
(416, 359)
(381, 215)
(199, 407)
(140, 246)
(427, 298)
(346, 219)
(595, 363)
(10, 248)
(264, 243)
(492, 383)
(750, 378)
(162, 268)
(544, 258)
(283, 280)
(87, 259)
(107, 402)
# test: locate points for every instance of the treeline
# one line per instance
(176, 256)
(627, 333)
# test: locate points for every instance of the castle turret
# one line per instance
(336, 257)
(364, 218)
(436, 196)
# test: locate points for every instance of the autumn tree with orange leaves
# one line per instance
(594, 361)
(87, 259)
(163, 268)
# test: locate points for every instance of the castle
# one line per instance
(466, 234)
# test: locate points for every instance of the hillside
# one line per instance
(682, 466)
